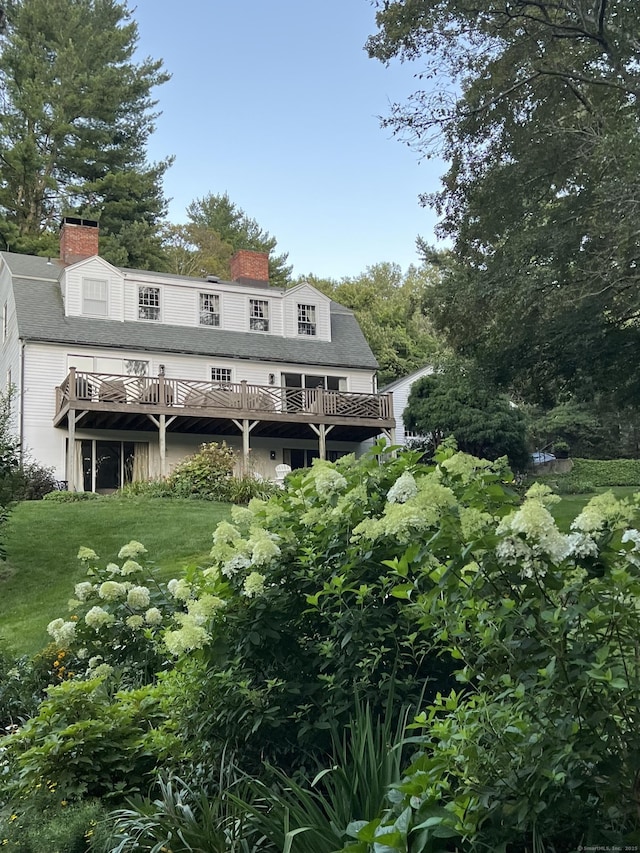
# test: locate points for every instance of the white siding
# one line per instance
(400, 391)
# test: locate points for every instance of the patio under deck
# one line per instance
(142, 403)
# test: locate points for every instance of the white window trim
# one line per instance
(198, 312)
(213, 367)
(86, 313)
(314, 324)
(138, 306)
(269, 315)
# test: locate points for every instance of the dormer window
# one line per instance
(148, 303)
(209, 309)
(306, 319)
(94, 297)
(258, 315)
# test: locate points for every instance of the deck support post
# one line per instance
(322, 431)
(162, 422)
(245, 426)
(73, 419)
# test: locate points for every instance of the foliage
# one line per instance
(218, 228)
(313, 817)
(312, 615)
(23, 682)
(64, 497)
(388, 306)
(75, 127)
(205, 473)
(537, 746)
(458, 401)
(589, 474)
(208, 474)
(86, 743)
(183, 820)
(535, 107)
(52, 826)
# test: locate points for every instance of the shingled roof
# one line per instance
(40, 317)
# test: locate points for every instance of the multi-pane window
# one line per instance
(94, 297)
(306, 319)
(258, 315)
(221, 375)
(209, 309)
(149, 303)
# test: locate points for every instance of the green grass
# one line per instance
(42, 540)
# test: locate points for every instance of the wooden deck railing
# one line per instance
(117, 392)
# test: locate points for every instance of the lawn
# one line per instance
(42, 540)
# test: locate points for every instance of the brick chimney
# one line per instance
(78, 239)
(248, 266)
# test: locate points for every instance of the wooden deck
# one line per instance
(108, 401)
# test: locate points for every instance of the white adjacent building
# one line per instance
(118, 374)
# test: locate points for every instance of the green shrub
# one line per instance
(48, 826)
(205, 474)
(23, 684)
(148, 489)
(70, 497)
(86, 743)
(607, 472)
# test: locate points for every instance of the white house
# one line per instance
(119, 373)
(399, 390)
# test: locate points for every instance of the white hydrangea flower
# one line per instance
(403, 489)
(328, 481)
(102, 671)
(62, 632)
(112, 590)
(253, 584)
(153, 616)
(131, 550)
(138, 597)
(189, 636)
(602, 511)
(225, 534)
(87, 555)
(235, 564)
(130, 567)
(179, 589)
(95, 661)
(263, 547)
(203, 608)
(113, 568)
(97, 618)
(135, 622)
(83, 590)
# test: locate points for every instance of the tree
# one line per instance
(458, 401)
(76, 118)
(218, 228)
(539, 121)
(388, 306)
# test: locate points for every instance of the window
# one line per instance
(149, 303)
(136, 367)
(94, 297)
(258, 315)
(209, 309)
(221, 375)
(306, 319)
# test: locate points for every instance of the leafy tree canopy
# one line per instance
(77, 115)
(388, 306)
(535, 103)
(458, 401)
(218, 228)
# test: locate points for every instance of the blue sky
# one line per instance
(277, 104)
